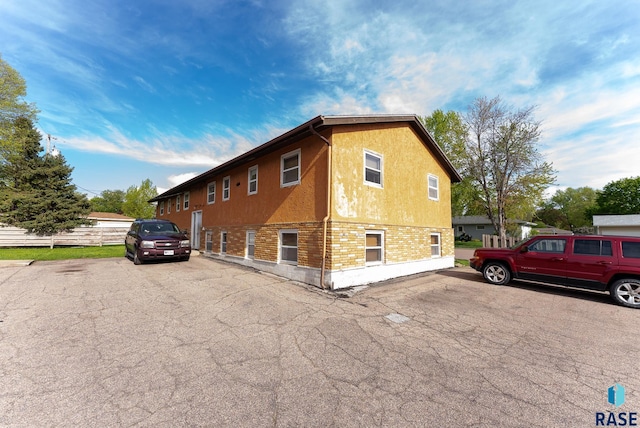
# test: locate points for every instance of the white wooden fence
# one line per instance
(81, 236)
(493, 241)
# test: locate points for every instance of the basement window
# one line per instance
(374, 247)
(289, 246)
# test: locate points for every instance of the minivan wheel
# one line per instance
(626, 292)
(496, 273)
(136, 259)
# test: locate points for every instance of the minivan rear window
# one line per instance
(631, 249)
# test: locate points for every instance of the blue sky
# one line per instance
(168, 89)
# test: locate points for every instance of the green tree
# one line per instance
(503, 160)
(109, 201)
(450, 133)
(36, 193)
(13, 89)
(136, 200)
(619, 197)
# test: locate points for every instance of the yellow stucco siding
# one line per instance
(403, 197)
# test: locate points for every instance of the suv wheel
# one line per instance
(626, 291)
(496, 273)
(136, 259)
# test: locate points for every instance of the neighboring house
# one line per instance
(626, 225)
(110, 219)
(477, 225)
(552, 231)
(336, 202)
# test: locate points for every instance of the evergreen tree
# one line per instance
(36, 192)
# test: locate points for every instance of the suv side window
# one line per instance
(631, 249)
(549, 246)
(592, 247)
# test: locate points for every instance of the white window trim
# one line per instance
(282, 171)
(178, 203)
(280, 233)
(246, 250)
(226, 180)
(364, 161)
(439, 245)
(208, 241)
(226, 241)
(169, 206)
(249, 192)
(374, 232)
(161, 207)
(209, 193)
(185, 201)
(429, 176)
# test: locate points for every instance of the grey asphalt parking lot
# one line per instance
(208, 343)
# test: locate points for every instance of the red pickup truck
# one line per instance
(605, 263)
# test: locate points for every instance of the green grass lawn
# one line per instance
(469, 244)
(61, 253)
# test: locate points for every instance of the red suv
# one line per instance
(610, 263)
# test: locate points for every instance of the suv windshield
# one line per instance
(158, 228)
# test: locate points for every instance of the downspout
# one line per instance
(325, 220)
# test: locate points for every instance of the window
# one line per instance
(226, 188)
(211, 193)
(253, 180)
(251, 244)
(186, 201)
(289, 246)
(290, 169)
(372, 169)
(161, 207)
(631, 249)
(435, 245)
(373, 247)
(208, 241)
(480, 227)
(549, 245)
(177, 203)
(592, 247)
(433, 188)
(223, 242)
(169, 206)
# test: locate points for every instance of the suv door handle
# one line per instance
(604, 262)
(557, 259)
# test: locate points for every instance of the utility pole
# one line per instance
(52, 151)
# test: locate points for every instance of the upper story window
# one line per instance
(177, 203)
(161, 207)
(211, 193)
(169, 206)
(290, 169)
(253, 180)
(434, 193)
(372, 168)
(185, 204)
(226, 188)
